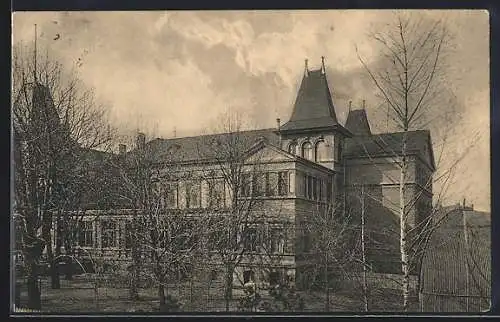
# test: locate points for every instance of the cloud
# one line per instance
(182, 69)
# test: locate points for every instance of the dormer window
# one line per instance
(307, 151)
(292, 148)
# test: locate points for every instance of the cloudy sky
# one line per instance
(178, 72)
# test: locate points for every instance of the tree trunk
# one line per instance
(228, 289)
(96, 295)
(69, 266)
(55, 282)
(191, 291)
(403, 232)
(69, 270)
(363, 249)
(161, 296)
(327, 285)
(133, 286)
(34, 296)
(135, 270)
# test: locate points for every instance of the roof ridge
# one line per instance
(213, 134)
(401, 132)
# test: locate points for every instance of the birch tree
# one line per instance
(55, 121)
(409, 79)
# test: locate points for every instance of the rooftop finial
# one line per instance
(323, 70)
(350, 105)
(306, 68)
(364, 104)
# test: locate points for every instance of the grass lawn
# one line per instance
(78, 296)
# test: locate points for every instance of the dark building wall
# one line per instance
(380, 178)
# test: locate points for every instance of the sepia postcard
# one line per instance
(305, 161)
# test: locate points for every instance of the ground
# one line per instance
(79, 296)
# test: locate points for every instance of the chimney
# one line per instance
(323, 69)
(122, 149)
(306, 69)
(141, 140)
(364, 104)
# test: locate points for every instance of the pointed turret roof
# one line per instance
(313, 106)
(357, 122)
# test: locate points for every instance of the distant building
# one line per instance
(456, 268)
(309, 161)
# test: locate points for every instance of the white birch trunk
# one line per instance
(403, 232)
(363, 251)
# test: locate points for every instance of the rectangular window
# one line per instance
(283, 183)
(214, 239)
(216, 194)
(108, 233)
(248, 276)
(305, 183)
(307, 241)
(329, 190)
(273, 183)
(309, 187)
(250, 239)
(85, 234)
(277, 240)
(193, 194)
(259, 184)
(128, 235)
(315, 188)
(274, 278)
(246, 179)
(171, 191)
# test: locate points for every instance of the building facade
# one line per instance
(289, 172)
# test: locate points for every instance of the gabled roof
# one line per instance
(293, 157)
(357, 122)
(313, 106)
(205, 147)
(390, 144)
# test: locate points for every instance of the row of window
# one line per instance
(259, 184)
(265, 184)
(314, 188)
(271, 240)
(320, 152)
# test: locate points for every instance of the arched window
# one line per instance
(307, 151)
(321, 151)
(292, 148)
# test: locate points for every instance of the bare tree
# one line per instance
(55, 122)
(169, 239)
(409, 79)
(228, 159)
(331, 233)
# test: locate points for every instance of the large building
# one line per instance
(296, 169)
